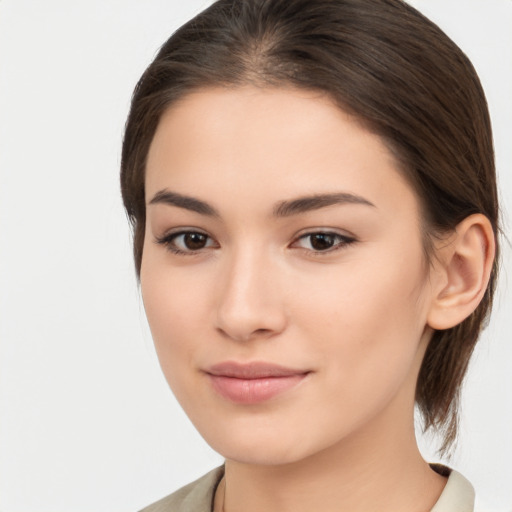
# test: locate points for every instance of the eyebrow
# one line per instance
(186, 202)
(281, 209)
(317, 201)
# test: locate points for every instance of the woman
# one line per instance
(311, 185)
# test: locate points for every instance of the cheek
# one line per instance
(175, 311)
(362, 294)
(367, 324)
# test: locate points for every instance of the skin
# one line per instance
(355, 317)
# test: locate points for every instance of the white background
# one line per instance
(86, 420)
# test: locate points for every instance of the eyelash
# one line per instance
(168, 241)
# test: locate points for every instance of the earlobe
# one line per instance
(464, 267)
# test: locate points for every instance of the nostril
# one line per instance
(243, 335)
(262, 331)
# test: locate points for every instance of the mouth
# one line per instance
(253, 383)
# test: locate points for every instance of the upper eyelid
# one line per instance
(326, 231)
(341, 236)
(168, 237)
(181, 231)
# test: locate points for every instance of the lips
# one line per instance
(253, 383)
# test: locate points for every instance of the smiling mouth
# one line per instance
(254, 382)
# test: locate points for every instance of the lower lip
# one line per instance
(254, 391)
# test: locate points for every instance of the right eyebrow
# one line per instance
(181, 201)
(316, 202)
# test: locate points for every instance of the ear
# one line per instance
(462, 271)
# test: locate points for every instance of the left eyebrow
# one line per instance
(187, 202)
(317, 201)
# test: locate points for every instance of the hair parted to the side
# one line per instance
(386, 64)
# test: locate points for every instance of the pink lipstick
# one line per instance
(254, 382)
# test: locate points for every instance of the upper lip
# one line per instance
(254, 370)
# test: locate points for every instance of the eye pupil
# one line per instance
(194, 241)
(322, 241)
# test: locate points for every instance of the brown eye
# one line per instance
(323, 241)
(194, 241)
(187, 242)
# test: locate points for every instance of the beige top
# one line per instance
(458, 494)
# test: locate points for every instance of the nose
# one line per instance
(250, 303)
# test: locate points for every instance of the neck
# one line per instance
(388, 484)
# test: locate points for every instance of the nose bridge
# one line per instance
(250, 303)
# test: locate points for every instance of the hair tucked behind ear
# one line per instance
(381, 61)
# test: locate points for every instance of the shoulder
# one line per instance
(194, 497)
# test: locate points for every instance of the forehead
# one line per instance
(271, 142)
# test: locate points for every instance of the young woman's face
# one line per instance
(283, 273)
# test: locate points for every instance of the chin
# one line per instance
(260, 454)
(260, 444)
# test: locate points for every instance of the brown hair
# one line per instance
(385, 63)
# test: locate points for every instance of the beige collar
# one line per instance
(458, 495)
(199, 496)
